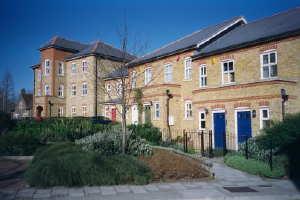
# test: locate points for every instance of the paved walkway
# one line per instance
(225, 177)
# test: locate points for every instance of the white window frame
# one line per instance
(73, 68)
(228, 72)
(119, 89)
(157, 113)
(202, 76)
(47, 90)
(188, 68)
(73, 110)
(84, 66)
(188, 112)
(39, 92)
(148, 75)
(108, 88)
(269, 64)
(60, 111)
(202, 120)
(133, 79)
(47, 67)
(168, 73)
(61, 90)
(73, 89)
(84, 89)
(261, 116)
(84, 110)
(60, 70)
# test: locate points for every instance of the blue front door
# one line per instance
(243, 125)
(219, 130)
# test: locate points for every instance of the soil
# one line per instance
(170, 166)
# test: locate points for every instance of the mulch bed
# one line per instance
(170, 166)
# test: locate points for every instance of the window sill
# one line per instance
(187, 80)
(270, 78)
(188, 119)
(228, 84)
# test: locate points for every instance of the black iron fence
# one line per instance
(251, 150)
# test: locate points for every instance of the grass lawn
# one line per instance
(255, 167)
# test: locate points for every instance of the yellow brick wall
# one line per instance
(249, 90)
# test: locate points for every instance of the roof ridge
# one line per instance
(189, 35)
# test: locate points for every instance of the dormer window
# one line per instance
(47, 67)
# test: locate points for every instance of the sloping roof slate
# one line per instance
(102, 49)
(280, 25)
(193, 40)
(62, 43)
(121, 72)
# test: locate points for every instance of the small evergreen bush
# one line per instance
(12, 144)
(66, 164)
(148, 132)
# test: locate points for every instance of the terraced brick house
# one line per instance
(226, 78)
(69, 75)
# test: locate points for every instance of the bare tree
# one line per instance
(122, 88)
(7, 93)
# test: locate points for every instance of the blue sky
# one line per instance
(27, 24)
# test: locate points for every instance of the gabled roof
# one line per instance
(64, 44)
(271, 28)
(196, 39)
(118, 73)
(105, 50)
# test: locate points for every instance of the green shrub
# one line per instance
(106, 142)
(6, 122)
(255, 150)
(66, 164)
(110, 143)
(148, 132)
(19, 144)
(60, 129)
(138, 147)
(285, 136)
(253, 166)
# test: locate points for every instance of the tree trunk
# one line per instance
(124, 131)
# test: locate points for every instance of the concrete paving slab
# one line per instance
(122, 188)
(92, 190)
(76, 192)
(108, 190)
(59, 191)
(26, 193)
(152, 188)
(138, 189)
(164, 186)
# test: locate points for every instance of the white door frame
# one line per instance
(213, 123)
(241, 109)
